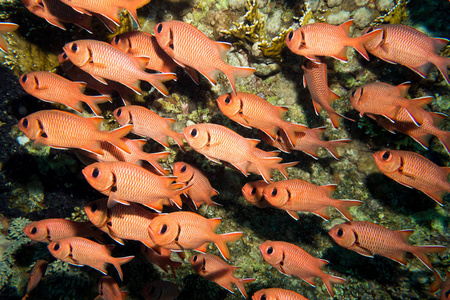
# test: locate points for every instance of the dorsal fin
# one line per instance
(97, 122)
(404, 234)
(403, 88)
(281, 110)
(346, 26)
(223, 48)
(329, 189)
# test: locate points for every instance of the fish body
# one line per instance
(160, 257)
(368, 239)
(297, 195)
(148, 124)
(108, 289)
(4, 28)
(36, 275)
(60, 129)
(290, 259)
(187, 230)
(214, 269)
(201, 190)
(218, 143)
(253, 193)
(80, 251)
(309, 41)
(189, 47)
(415, 171)
(407, 46)
(51, 87)
(123, 182)
(379, 98)
(160, 290)
(104, 61)
(277, 294)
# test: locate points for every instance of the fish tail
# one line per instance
(153, 158)
(334, 117)
(225, 238)
(330, 281)
(120, 261)
(132, 6)
(415, 108)
(332, 146)
(176, 199)
(173, 266)
(179, 139)
(359, 42)
(240, 285)
(283, 168)
(438, 281)
(421, 253)
(444, 137)
(265, 166)
(115, 137)
(343, 207)
(93, 101)
(234, 72)
(157, 81)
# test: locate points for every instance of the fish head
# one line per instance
(123, 116)
(29, 82)
(264, 294)
(295, 40)
(356, 98)
(388, 161)
(97, 212)
(163, 230)
(229, 104)
(198, 137)
(78, 52)
(35, 6)
(183, 171)
(99, 176)
(60, 249)
(37, 231)
(31, 127)
(343, 234)
(377, 41)
(276, 194)
(253, 191)
(121, 42)
(198, 262)
(272, 253)
(164, 36)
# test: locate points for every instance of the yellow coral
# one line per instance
(395, 15)
(126, 24)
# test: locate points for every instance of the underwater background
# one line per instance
(40, 183)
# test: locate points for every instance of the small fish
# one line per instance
(201, 190)
(108, 289)
(51, 87)
(160, 290)
(277, 294)
(189, 47)
(315, 78)
(309, 39)
(253, 193)
(36, 275)
(441, 285)
(214, 269)
(79, 251)
(148, 124)
(184, 230)
(290, 259)
(160, 257)
(368, 239)
(407, 46)
(123, 182)
(6, 27)
(62, 130)
(414, 171)
(104, 61)
(298, 195)
(379, 98)
(49, 230)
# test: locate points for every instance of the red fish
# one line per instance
(277, 294)
(309, 40)
(80, 251)
(315, 78)
(407, 46)
(250, 110)
(201, 190)
(368, 239)
(187, 230)
(60, 129)
(51, 87)
(379, 98)
(108, 289)
(290, 259)
(214, 269)
(189, 47)
(104, 61)
(160, 290)
(415, 171)
(298, 195)
(253, 193)
(36, 275)
(148, 124)
(440, 284)
(124, 182)
(6, 27)
(252, 168)
(160, 257)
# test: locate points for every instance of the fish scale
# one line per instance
(55, 229)
(277, 294)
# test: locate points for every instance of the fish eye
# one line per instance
(263, 297)
(152, 290)
(194, 132)
(94, 207)
(33, 230)
(74, 47)
(340, 232)
(56, 247)
(119, 112)
(274, 192)
(194, 259)
(183, 169)
(160, 27)
(25, 123)
(64, 56)
(163, 229)
(386, 155)
(253, 191)
(269, 250)
(227, 100)
(116, 39)
(290, 35)
(95, 173)
(24, 78)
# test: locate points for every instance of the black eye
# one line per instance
(386, 155)
(119, 112)
(194, 259)
(56, 247)
(159, 28)
(274, 192)
(194, 132)
(25, 123)
(340, 232)
(227, 100)
(290, 35)
(116, 39)
(183, 169)
(152, 290)
(64, 56)
(263, 297)
(24, 78)
(253, 191)
(163, 229)
(95, 173)
(94, 207)
(269, 250)
(33, 230)
(74, 47)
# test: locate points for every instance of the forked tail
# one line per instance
(421, 253)
(223, 239)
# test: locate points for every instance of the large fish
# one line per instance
(6, 27)
(189, 47)
(277, 294)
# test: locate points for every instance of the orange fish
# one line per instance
(250, 110)
(121, 222)
(201, 190)
(309, 40)
(6, 27)
(36, 275)
(379, 98)
(50, 230)
(298, 195)
(79, 251)
(124, 182)
(368, 239)
(160, 290)
(62, 130)
(415, 171)
(214, 269)
(160, 257)
(315, 78)
(148, 124)
(108, 289)
(290, 259)
(218, 143)
(136, 156)
(409, 47)
(253, 193)
(189, 47)
(184, 230)
(252, 168)
(277, 294)
(51, 87)
(104, 61)
(440, 284)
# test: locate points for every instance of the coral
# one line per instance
(333, 3)
(395, 15)
(385, 5)
(78, 215)
(16, 231)
(362, 17)
(338, 18)
(361, 2)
